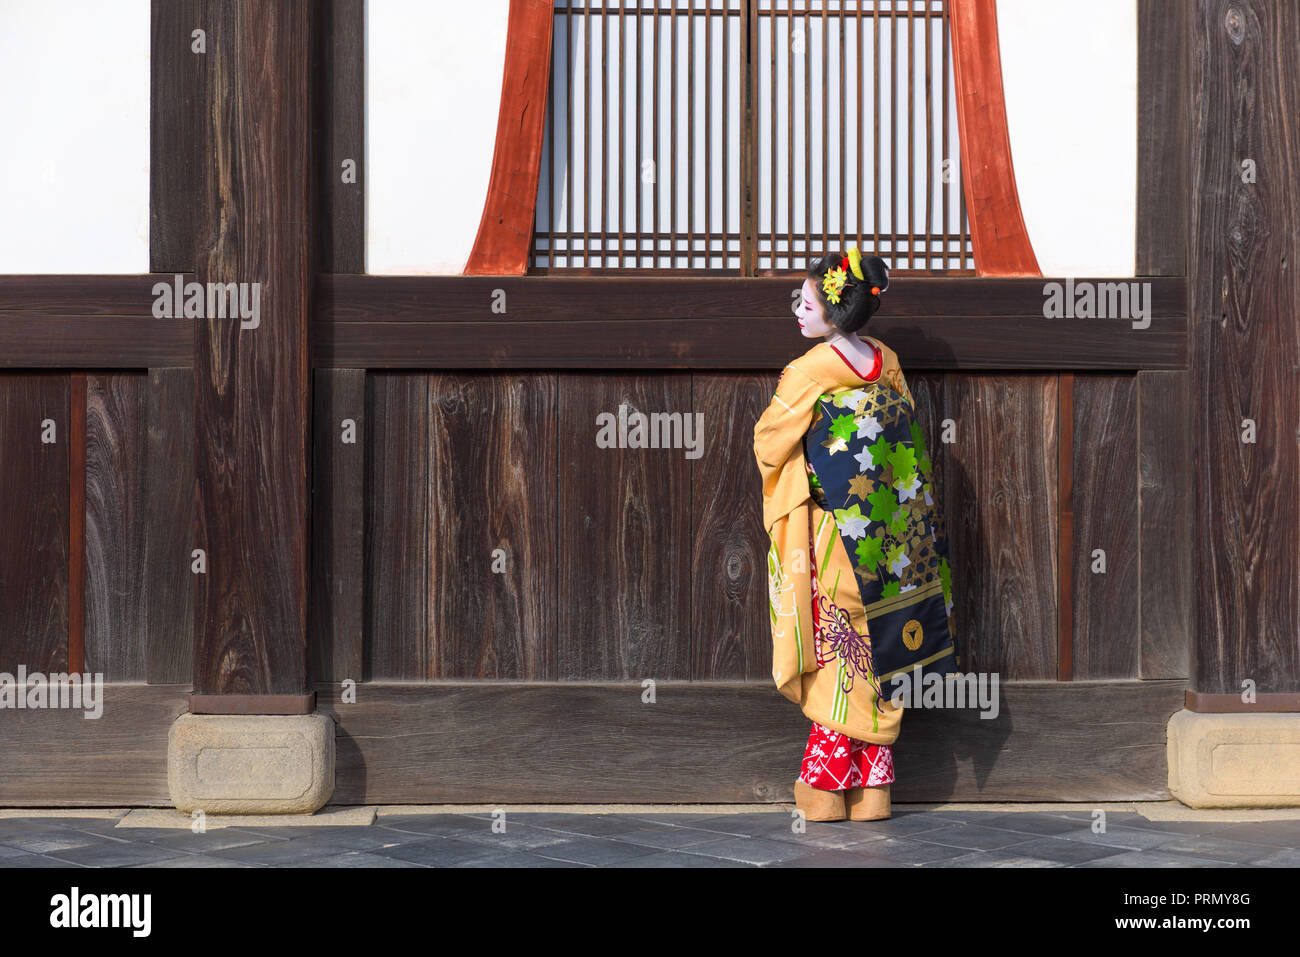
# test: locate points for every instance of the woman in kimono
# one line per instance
(859, 584)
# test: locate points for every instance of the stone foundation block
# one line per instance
(251, 764)
(1234, 760)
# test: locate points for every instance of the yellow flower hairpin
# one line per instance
(833, 283)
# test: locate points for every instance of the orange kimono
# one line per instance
(821, 560)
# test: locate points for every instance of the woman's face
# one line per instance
(812, 314)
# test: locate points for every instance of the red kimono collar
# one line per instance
(874, 372)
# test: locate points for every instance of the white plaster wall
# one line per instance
(1069, 70)
(433, 91)
(74, 136)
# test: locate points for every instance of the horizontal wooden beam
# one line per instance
(81, 295)
(88, 322)
(347, 298)
(410, 322)
(480, 741)
(368, 299)
(57, 757)
(487, 741)
(89, 342)
(1026, 343)
(449, 322)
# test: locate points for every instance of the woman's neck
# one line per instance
(860, 355)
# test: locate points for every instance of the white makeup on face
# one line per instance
(812, 314)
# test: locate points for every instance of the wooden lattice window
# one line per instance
(679, 137)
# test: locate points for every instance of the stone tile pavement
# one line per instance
(916, 836)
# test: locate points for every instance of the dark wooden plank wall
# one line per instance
(493, 486)
(116, 455)
(397, 526)
(634, 564)
(134, 450)
(1105, 604)
(1166, 513)
(337, 612)
(138, 534)
(34, 509)
(624, 535)
(77, 522)
(169, 532)
(999, 480)
(730, 634)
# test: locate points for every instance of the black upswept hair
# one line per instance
(857, 303)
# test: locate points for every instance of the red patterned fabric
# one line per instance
(834, 761)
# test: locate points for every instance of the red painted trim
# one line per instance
(998, 233)
(506, 230)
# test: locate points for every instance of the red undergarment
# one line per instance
(875, 366)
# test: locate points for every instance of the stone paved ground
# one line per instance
(915, 837)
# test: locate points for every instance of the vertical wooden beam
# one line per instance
(34, 503)
(1065, 520)
(1165, 510)
(1244, 272)
(340, 73)
(505, 233)
(178, 96)
(251, 382)
(338, 524)
(336, 613)
(178, 90)
(748, 139)
(998, 232)
(1164, 397)
(169, 538)
(1163, 113)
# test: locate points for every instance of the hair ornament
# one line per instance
(855, 261)
(833, 284)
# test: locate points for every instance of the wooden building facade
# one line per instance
(385, 502)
